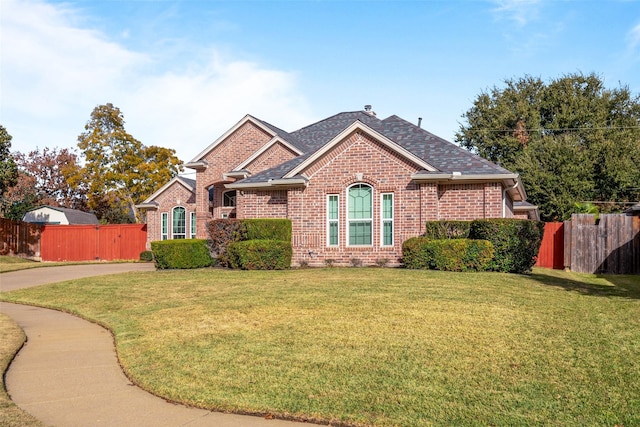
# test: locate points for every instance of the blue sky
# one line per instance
(183, 72)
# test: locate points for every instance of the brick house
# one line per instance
(353, 185)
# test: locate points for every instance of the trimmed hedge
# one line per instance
(260, 254)
(516, 242)
(267, 229)
(146, 256)
(438, 230)
(223, 232)
(447, 254)
(181, 253)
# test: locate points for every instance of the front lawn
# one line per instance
(369, 346)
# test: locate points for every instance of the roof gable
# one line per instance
(188, 183)
(268, 129)
(358, 126)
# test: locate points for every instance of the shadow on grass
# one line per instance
(603, 285)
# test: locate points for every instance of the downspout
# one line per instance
(504, 198)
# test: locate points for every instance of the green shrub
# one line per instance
(182, 253)
(146, 256)
(416, 253)
(438, 230)
(260, 254)
(267, 229)
(515, 241)
(447, 255)
(221, 233)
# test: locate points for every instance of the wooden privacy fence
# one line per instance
(93, 242)
(19, 238)
(611, 246)
(72, 242)
(551, 254)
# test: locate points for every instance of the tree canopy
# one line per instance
(119, 170)
(42, 180)
(8, 168)
(572, 140)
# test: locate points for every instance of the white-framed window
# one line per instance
(360, 215)
(333, 224)
(164, 225)
(192, 222)
(179, 223)
(229, 199)
(386, 216)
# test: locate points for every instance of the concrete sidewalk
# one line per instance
(67, 374)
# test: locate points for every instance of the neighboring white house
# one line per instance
(62, 216)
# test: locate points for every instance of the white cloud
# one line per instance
(519, 11)
(55, 69)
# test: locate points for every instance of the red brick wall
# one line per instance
(469, 201)
(273, 156)
(386, 172)
(175, 195)
(228, 154)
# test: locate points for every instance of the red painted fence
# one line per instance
(551, 253)
(92, 242)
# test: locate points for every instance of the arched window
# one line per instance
(179, 222)
(229, 199)
(360, 214)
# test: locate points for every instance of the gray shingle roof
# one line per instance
(188, 181)
(441, 154)
(74, 216)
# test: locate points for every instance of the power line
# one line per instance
(562, 129)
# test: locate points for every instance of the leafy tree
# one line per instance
(8, 168)
(572, 140)
(119, 170)
(42, 180)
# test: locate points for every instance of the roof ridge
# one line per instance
(332, 117)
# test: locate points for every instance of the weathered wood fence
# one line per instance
(72, 242)
(611, 246)
(20, 238)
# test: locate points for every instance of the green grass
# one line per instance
(12, 340)
(367, 346)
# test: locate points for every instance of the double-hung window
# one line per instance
(386, 215)
(360, 215)
(333, 224)
(179, 229)
(164, 223)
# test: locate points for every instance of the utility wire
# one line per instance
(562, 129)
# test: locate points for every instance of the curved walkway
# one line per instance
(67, 374)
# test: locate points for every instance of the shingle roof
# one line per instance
(190, 182)
(441, 154)
(74, 216)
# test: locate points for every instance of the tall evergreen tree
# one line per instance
(8, 167)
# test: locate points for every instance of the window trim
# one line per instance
(164, 226)
(192, 224)
(173, 233)
(349, 220)
(331, 221)
(390, 220)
